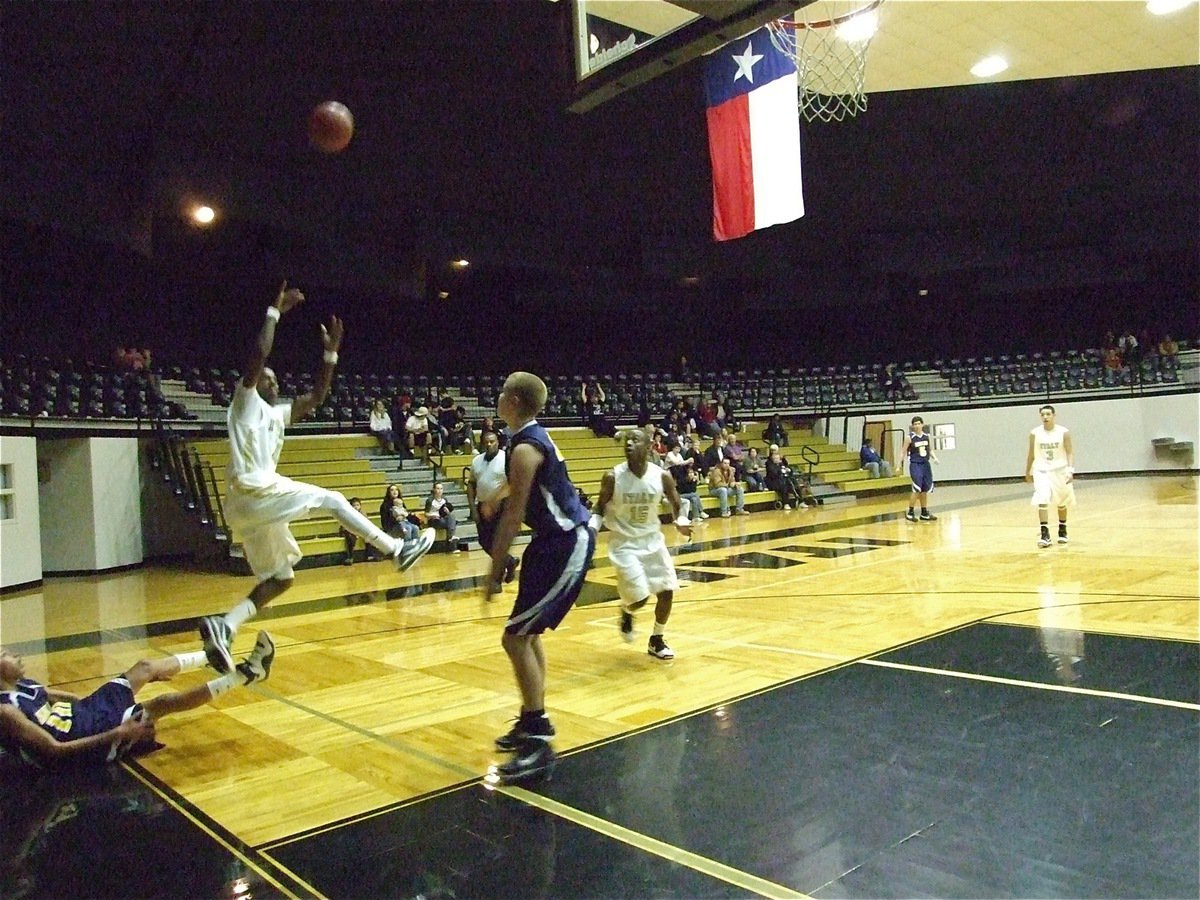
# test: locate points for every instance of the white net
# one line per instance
(829, 40)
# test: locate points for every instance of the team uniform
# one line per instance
(260, 502)
(556, 561)
(637, 548)
(68, 720)
(919, 467)
(1050, 485)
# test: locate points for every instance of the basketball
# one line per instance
(330, 127)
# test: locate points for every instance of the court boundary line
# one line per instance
(1017, 682)
(702, 864)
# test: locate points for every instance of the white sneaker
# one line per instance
(704, 515)
(727, 514)
(257, 666)
(410, 551)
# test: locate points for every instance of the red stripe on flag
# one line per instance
(733, 173)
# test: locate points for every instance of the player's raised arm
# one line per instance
(331, 340)
(608, 484)
(284, 300)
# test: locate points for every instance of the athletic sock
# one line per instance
(660, 628)
(194, 660)
(242, 612)
(219, 686)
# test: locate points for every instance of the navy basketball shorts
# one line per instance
(553, 570)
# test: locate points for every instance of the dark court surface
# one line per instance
(862, 781)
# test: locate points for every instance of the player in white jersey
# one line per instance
(1050, 465)
(259, 502)
(628, 504)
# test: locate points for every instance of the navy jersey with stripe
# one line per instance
(554, 506)
(919, 447)
(63, 720)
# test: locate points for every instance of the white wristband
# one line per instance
(331, 357)
(273, 313)
(595, 522)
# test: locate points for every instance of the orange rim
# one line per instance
(792, 23)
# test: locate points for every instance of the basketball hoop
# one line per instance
(828, 40)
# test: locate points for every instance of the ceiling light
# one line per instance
(1166, 7)
(461, 263)
(989, 66)
(860, 28)
(203, 215)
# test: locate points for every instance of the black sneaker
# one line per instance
(217, 636)
(510, 569)
(625, 623)
(658, 648)
(911, 516)
(927, 516)
(1044, 538)
(257, 666)
(1062, 534)
(534, 759)
(539, 732)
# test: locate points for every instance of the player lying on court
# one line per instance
(44, 726)
(629, 501)
(260, 503)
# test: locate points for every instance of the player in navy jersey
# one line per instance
(918, 453)
(47, 725)
(552, 570)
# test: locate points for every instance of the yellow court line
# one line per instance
(701, 864)
(171, 801)
(1062, 688)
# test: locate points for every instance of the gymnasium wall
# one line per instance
(20, 532)
(1108, 435)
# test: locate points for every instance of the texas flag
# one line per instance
(753, 136)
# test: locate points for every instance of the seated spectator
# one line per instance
(1128, 345)
(735, 452)
(869, 459)
(349, 538)
(892, 382)
(713, 455)
(1111, 359)
(381, 427)
(785, 481)
(439, 515)
(445, 417)
(753, 471)
(722, 482)
(706, 419)
(394, 517)
(417, 429)
(683, 470)
(658, 445)
(775, 433)
(1168, 347)
(459, 440)
(591, 395)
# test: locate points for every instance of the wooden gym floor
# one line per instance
(860, 707)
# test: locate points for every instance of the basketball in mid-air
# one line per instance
(330, 127)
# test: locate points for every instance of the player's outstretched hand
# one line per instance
(287, 298)
(331, 337)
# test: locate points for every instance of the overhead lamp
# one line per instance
(1166, 7)
(461, 263)
(203, 215)
(989, 66)
(859, 28)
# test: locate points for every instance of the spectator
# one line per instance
(753, 471)
(1168, 347)
(892, 382)
(722, 482)
(460, 432)
(1127, 344)
(706, 419)
(713, 455)
(394, 517)
(785, 481)
(351, 539)
(735, 452)
(445, 417)
(591, 395)
(683, 470)
(381, 427)
(439, 515)
(417, 428)
(869, 459)
(775, 433)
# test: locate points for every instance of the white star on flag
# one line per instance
(745, 63)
